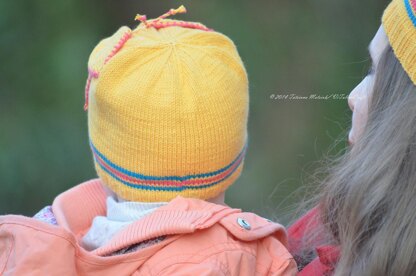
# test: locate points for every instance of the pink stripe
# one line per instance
(118, 46)
(214, 178)
(91, 74)
(184, 24)
(413, 4)
(167, 183)
(193, 182)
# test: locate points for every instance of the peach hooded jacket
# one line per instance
(201, 239)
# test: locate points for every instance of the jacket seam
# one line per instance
(272, 267)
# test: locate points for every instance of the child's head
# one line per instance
(167, 111)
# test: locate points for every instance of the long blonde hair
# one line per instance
(368, 199)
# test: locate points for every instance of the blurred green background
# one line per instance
(289, 47)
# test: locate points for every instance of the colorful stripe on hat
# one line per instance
(166, 183)
(411, 10)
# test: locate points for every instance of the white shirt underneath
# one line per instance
(119, 215)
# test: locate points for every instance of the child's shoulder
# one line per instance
(239, 241)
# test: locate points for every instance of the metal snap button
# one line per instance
(243, 223)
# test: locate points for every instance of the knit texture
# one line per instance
(399, 22)
(167, 111)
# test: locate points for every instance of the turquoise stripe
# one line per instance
(156, 188)
(171, 178)
(410, 12)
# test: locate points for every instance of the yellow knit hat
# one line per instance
(167, 110)
(399, 22)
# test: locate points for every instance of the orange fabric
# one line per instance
(202, 239)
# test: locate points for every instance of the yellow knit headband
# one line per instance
(399, 22)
